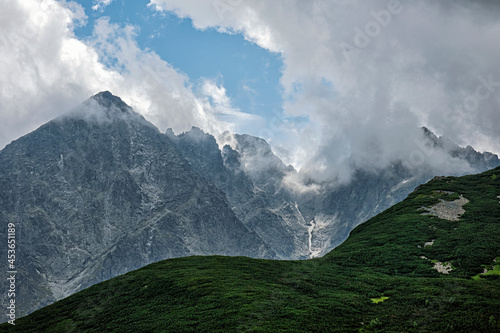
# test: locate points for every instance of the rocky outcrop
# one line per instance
(99, 192)
(447, 210)
(304, 224)
(256, 195)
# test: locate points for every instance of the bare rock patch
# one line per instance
(444, 268)
(447, 210)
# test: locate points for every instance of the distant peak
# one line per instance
(428, 133)
(197, 133)
(196, 129)
(107, 100)
(170, 133)
(105, 107)
(104, 94)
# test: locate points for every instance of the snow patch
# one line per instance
(60, 163)
(320, 231)
(402, 184)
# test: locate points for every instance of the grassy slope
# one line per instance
(381, 258)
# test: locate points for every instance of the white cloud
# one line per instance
(37, 75)
(99, 5)
(432, 63)
(216, 96)
(45, 71)
(369, 73)
(231, 16)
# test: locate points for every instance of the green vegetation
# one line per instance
(343, 291)
(380, 299)
(494, 271)
(439, 194)
(491, 271)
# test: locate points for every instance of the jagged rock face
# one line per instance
(337, 210)
(99, 192)
(255, 197)
(203, 154)
(478, 162)
(260, 163)
(302, 225)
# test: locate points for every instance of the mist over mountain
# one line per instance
(100, 191)
(300, 217)
(427, 264)
(338, 207)
(251, 178)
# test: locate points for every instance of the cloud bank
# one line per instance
(368, 74)
(45, 71)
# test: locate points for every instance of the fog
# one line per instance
(367, 75)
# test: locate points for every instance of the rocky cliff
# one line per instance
(100, 191)
(300, 224)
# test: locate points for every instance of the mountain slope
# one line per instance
(252, 182)
(298, 224)
(370, 192)
(100, 191)
(387, 276)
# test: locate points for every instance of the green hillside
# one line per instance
(383, 278)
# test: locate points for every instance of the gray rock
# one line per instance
(99, 192)
(251, 179)
(303, 225)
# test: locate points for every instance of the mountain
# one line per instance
(299, 225)
(338, 209)
(99, 192)
(426, 264)
(251, 177)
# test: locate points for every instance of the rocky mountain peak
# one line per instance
(105, 108)
(100, 191)
(198, 135)
(108, 100)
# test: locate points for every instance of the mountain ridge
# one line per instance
(95, 195)
(385, 277)
(100, 191)
(321, 218)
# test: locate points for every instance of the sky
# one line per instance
(332, 85)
